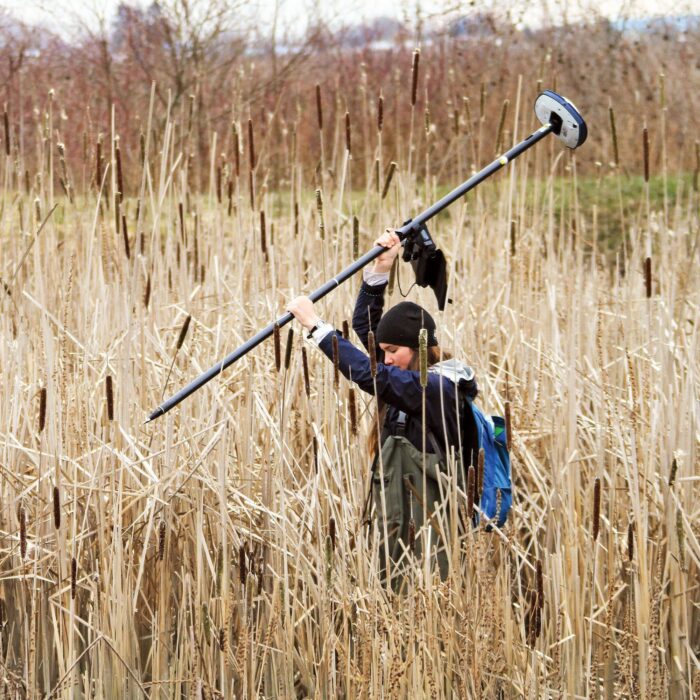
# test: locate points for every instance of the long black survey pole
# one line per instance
(351, 269)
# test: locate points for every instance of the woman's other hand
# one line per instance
(390, 240)
(302, 308)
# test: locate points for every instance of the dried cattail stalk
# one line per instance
(183, 332)
(414, 77)
(288, 348)
(42, 409)
(613, 131)
(251, 146)
(314, 443)
(355, 236)
(319, 209)
(147, 292)
(56, 508)
(305, 367)
(331, 532)
(319, 108)
(22, 532)
(73, 577)
(674, 471)
(371, 349)
(423, 356)
(110, 397)
(336, 361)
(596, 508)
(389, 177)
(645, 143)
(647, 277)
(278, 346)
(630, 541)
(501, 123)
(348, 142)
(352, 408)
(161, 540)
(380, 112)
(509, 426)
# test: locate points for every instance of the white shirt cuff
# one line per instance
(374, 278)
(322, 330)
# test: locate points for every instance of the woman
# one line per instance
(411, 474)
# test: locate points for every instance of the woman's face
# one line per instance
(397, 355)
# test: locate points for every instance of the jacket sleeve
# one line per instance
(398, 387)
(368, 310)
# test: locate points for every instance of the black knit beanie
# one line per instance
(401, 325)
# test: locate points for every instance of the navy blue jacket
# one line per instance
(400, 389)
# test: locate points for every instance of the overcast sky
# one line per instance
(58, 14)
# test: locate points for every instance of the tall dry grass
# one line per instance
(221, 551)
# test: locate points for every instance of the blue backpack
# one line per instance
(477, 431)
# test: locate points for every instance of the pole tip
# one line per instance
(158, 412)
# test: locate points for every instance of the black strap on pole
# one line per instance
(414, 225)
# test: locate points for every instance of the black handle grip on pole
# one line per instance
(349, 271)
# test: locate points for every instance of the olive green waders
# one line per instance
(399, 495)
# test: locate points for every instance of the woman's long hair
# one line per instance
(435, 355)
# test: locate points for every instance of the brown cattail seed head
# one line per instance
(319, 108)
(305, 367)
(346, 329)
(147, 292)
(423, 356)
(348, 142)
(288, 348)
(336, 361)
(22, 532)
(183, 332)
(352, 408)
(387, 180)
(596, 508)
(73, 577)
(355, 236)
(263, 235)
(540, 585)
(110, 397)
(161, 540)
(613, 132)
(319, 209)
(331, 532)
(56, 507)
(411, 535)
(674, 471)
(647, 277)
(630, 541)
(372, 354)
(222, 639)
(242, 565)
(471, 488)
(380, 113)
(251, 145)
(414, 77)
(6, 121)
(479, 475)
(42, 408)
(501, 124)
(645, 145)
(278, 347)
